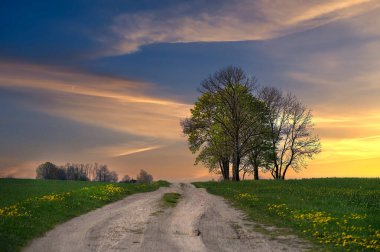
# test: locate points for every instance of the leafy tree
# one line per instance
(225, 119)
(49, 170)
(207, 137)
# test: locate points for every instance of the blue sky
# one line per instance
(108, 81)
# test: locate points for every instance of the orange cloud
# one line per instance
(69, 81)
(341, 9)
(151, 122)
(231, 21)
(122, 150)
(116, 104)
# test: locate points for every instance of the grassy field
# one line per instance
(29, 208)
(338, 214)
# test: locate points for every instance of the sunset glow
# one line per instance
(111, 84)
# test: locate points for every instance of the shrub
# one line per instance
(144, 177)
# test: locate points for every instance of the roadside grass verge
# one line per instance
(170, 199)
(339, 214)
(29, 208)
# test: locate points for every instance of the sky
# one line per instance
(109, 81)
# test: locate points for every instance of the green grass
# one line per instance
(170, 199)
(339, 214)
(29, 208)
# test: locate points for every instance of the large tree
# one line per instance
(291, 132)
(230, 116)
(207, 137)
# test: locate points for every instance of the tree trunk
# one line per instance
(236, 158)
(277, 172)
(283, 175)
(255, 169)
(226, 169)
(256, 173)
(235, 169)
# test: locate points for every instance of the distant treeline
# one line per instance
(86, 172)
(69, 171)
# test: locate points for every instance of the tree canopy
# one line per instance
(235, 122)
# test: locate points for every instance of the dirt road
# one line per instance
(199, 222)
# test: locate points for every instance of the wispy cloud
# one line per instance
(116, 104)
(339, 9)
(228, 21)
(70, 81)
(144, 121)
(124, 150)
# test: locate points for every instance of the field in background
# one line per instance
(29, 208)
(339, 214)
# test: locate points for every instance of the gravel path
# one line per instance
(199, 222)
